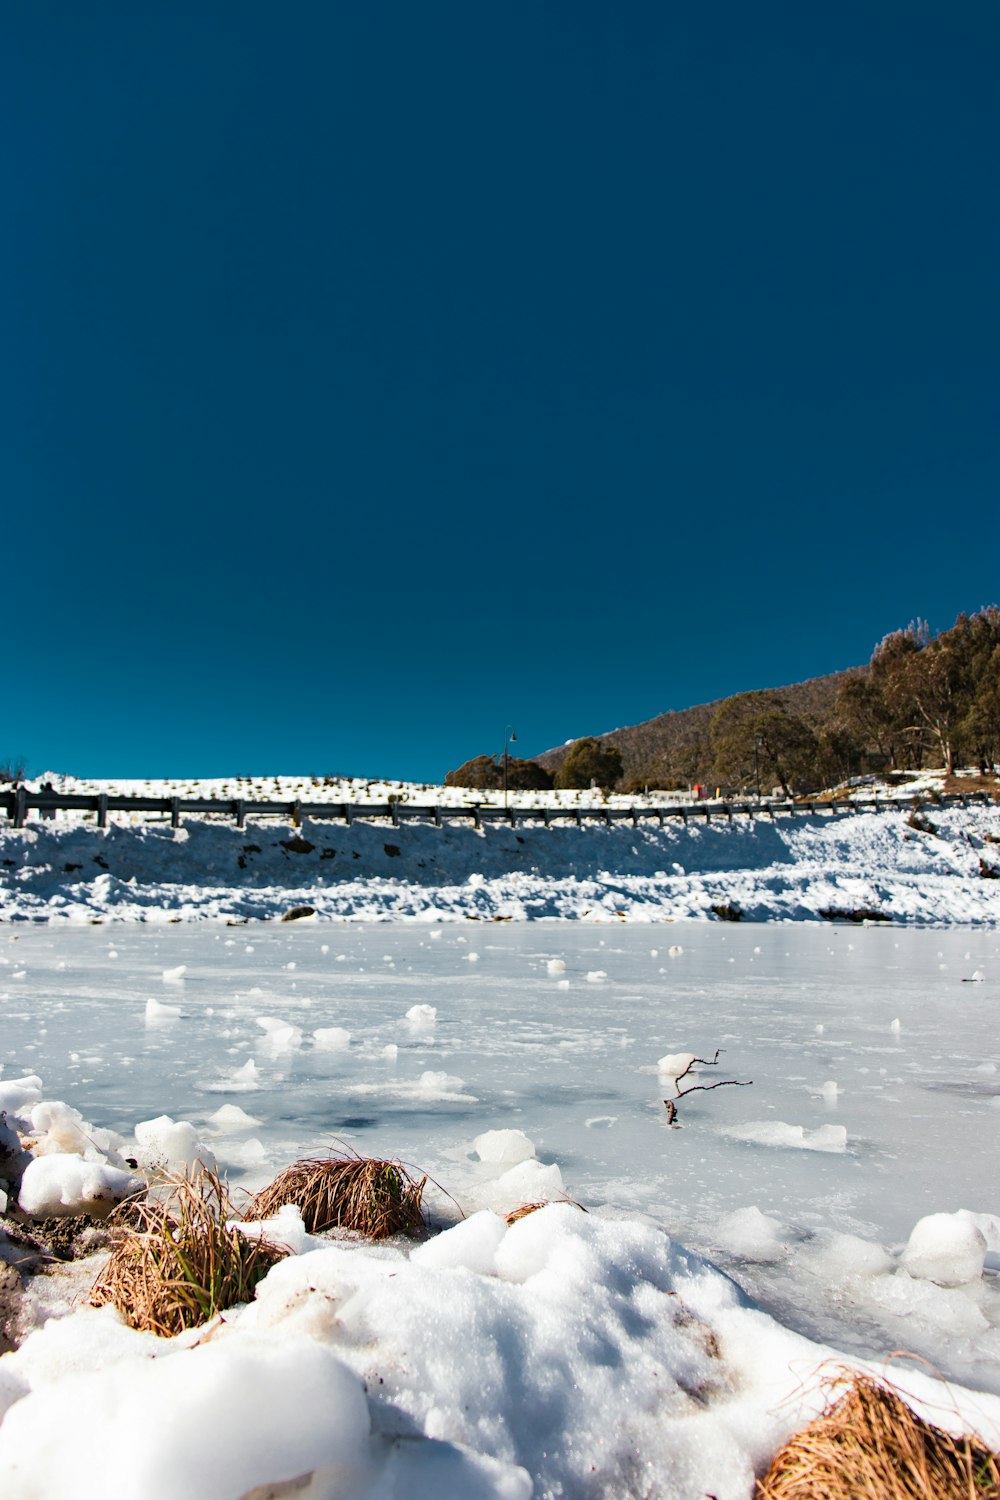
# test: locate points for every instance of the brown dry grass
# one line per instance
(378, 1199)
(175, 1263)
(869, 1445)
(524, 1209)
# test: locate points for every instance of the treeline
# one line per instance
(921, 702)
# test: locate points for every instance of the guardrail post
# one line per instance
(635, 817)
(240, 812)
(437, 816)
(297, 813)
(475, 816)
(102, 810)
(729, 812)
(659, 811)
(394, 813)
(175, 812)
(20, 806)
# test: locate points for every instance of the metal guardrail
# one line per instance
(20, 801)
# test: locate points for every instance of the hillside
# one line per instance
(675, 745)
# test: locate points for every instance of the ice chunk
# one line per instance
(61, 1184)
(157, 1014)
(675, 950)
(331, 1038)
(948, 1249)
(422, 1017)
(838, 1255)
(175, 976)
(13, 1158)
(279, 1036)
(473, 1244)
(440, 1085)
(285, 1229)
(59, 1127)
(556, 966)
(528, 1182)
(673, 1064)
(17, 1094)
(777, 1133)
(229, 1117)
(166, 1145)
(596, 976)
(751, 1235)
(506, 1147)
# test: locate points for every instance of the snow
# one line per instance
(660, 1325)
(53, 1186)
(166, 1145)
(782, 868)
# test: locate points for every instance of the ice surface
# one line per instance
(331, 1038)
(518, 1053)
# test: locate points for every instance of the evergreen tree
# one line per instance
(590, 763)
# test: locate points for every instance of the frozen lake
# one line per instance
(571, 1061)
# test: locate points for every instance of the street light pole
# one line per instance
(508, 737)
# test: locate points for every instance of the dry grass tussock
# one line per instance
(378, 1199)
(175, 1263)
(869, 1445)
(524, 1209)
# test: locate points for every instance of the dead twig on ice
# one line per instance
(707, 1062)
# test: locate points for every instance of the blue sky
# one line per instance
(375, 376)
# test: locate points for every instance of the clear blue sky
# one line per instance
(377, 375)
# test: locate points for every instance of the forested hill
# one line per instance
(676, 746)
(922, 700)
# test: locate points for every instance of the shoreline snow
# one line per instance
(568, 1353)
(934, 870)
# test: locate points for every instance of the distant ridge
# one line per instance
(675, 745)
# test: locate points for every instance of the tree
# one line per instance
(862, 713)
(590, 763)
(485, 772)
(754, 736)
(929, 689)
(526, 775)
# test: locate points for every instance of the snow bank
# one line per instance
(789, 868)
(567, 1354)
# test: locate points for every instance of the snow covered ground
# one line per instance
(571, 1354)
(661, 1344)
(786, 868)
